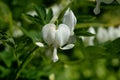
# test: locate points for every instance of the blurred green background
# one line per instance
(21, 59)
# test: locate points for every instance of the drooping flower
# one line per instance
(56, 37)
(70, 20)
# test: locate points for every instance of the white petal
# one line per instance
(97, 7)
(107, 1)
(69, 46)
(102, 35)
(69, 19)
(62, 35)
(55, 57)
(39, 44)
(48, 32)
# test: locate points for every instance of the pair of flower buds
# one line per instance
(58, 36)
(98, 2)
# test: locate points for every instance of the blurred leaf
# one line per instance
(80, 32)
(95, 52)
(49, 15)
(7, 39)
(33, 19)
(41, 11)
(113, 47)
(35, 36)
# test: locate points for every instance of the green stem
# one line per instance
(19, 70)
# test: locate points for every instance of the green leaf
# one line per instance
(4, 37)
(78, 32)
(49, 15)
(41, 11)
(113, 47)
(95, 52)
(33, 19)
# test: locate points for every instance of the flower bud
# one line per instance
(70, 20)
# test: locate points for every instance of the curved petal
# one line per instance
(69, 19)
(48, 32)
(69, 46)
(62, 35)
(55, 57)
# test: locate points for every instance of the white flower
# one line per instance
(89, 40)
(56, 37)
(102, 35)
(70, 20)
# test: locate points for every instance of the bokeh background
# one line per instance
(19, 32)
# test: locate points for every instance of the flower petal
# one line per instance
(97, 7)
(48, 32)
(69, 19)
(62, 35)
(69, 46)
(55, 57)
(102, 35)
(39, 44)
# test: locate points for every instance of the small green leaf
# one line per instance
(49, 15)
(4, 37)
(34, 19)
(41, 11)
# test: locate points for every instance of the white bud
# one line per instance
(39, 44)
(70, 20)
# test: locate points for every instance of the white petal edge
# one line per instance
(69, 19)
(39, 44)
(48, 33)
(55, 57)
(69, 46)
(62, 34)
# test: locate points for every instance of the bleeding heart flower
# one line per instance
(56, 37)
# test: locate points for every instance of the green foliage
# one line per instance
(22, 59)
